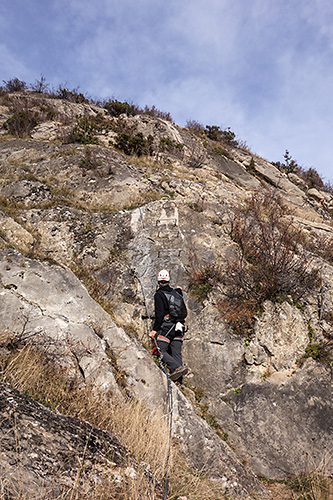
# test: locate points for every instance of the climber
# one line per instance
(168, 328)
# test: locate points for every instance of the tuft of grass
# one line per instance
(314, 485)
(144, 433)
(32, 372)
(203, 278)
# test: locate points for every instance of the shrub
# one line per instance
(70, 95)
(213, 132)
(290, 165)
(21, 122)
(117, 108)
(251, 168)
(153, 111)
(89, 161)
(40, 86)
(167, 144)
(86, 128)
(203, 278)
(84, 132)
(271, 262)
(134, 144)
(173, 147)
(195, 127)
(320, 245)
(15, 85)
(226, 137)
(312, 178)
(309, 175)
(320, 352)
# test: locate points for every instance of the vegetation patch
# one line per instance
(212, 422)
(310, 175)
(135, 144)
(322, 352)
(21, 123)
(89, 160)
(271, 263)
(34, 372)
(117, 108)
(321, 245)
(311, 486)
(86, 129)
(144, 433)
(203, 278)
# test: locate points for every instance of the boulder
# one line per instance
(60, 455)
(14, 234)
(283, 425)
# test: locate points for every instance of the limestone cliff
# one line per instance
(115, 220)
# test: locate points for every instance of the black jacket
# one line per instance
(161, 305)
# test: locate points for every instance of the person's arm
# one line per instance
(159, 314)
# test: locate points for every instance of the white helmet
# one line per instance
(163, 275)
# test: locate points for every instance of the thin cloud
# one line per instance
(262, 68)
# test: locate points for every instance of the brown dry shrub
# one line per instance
(271, 264)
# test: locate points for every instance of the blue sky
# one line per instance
(264, 68)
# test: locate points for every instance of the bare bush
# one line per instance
(40, 85)
(15, 85)
(22, 121)
(271, 263)
(321, 245)
(157, 113)
(196, 127)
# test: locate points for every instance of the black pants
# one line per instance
(170, 346)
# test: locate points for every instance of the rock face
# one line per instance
(55, 310)
(116, 220)
(58, 454)
(285, 417)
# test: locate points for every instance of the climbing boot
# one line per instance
(179, 372)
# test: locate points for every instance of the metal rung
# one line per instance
(172, 234)
(173, 222)
(176, 251)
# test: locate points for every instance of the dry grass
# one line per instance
(143, 433)
(314, 485)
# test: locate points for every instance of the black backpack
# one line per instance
(177, 307)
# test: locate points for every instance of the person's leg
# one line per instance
(176, 350)
(171, 363)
